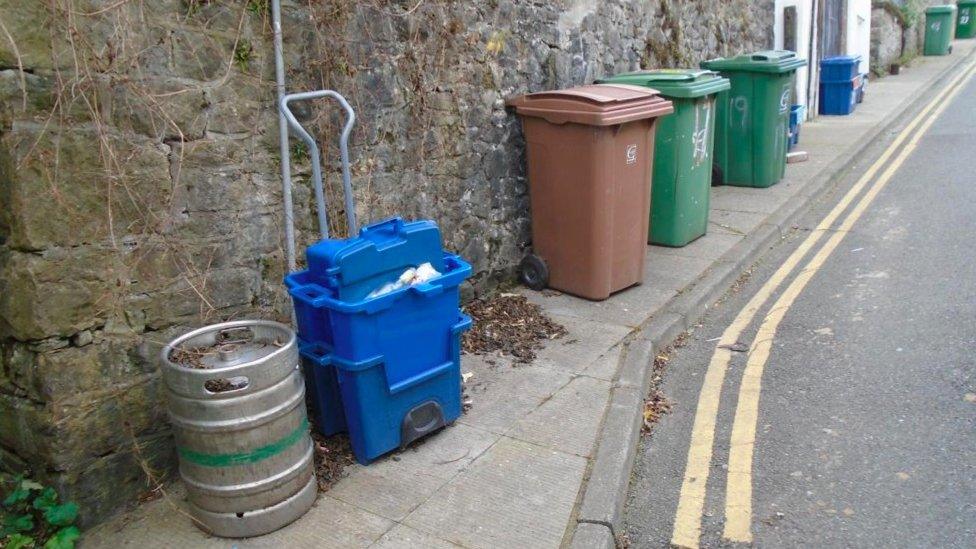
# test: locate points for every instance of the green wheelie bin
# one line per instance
(966, 22)
(940, 26)
(752, 119)
(682, 151)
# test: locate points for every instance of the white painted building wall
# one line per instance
(858, 36)
(804, 18)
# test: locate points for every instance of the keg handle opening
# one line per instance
(223, 385)
(237, 334)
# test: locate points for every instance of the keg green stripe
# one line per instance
(260, 454)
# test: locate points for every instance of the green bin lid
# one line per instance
(768, 61)
(945, 8)
(967, 3)
(675, 83)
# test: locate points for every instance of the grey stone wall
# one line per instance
(886, 35)
(441, 76)
(897, 32)
(139, 188)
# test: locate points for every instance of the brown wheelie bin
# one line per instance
(590, 154)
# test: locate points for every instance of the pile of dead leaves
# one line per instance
(332, 456)
(509, 325)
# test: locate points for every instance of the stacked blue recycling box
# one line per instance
(840, 84)
(384, 368)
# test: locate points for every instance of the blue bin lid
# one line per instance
(841, 60)
(356, 266)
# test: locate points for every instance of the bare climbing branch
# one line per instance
(20, 63)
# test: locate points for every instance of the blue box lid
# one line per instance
(841, 60)
(356, 266)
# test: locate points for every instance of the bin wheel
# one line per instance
(717, 176)
(534, 272)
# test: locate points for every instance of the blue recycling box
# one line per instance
(322, 389)
(380, 415)
(385, 368)
(840, 67)
(354, 267)
(797, 114)
(840, 84)
(839, 98)
(862, 89)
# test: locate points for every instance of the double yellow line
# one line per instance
(738, 493)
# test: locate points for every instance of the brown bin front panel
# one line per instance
(590, 153)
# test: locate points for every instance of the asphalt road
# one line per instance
(866, 430)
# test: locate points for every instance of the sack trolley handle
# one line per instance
(317, 157)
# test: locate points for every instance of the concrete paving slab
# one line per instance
(586, 342)
(390, 492)
(349, 527)
(607, 365)
(443, 454)
(710, 247)
(160, 524)
(673, 272)
(734, 222)
(516, 495)
(404, 537)
(502, 394)
(568, 421)
(746, 199)
(739, 199)
(626, 308)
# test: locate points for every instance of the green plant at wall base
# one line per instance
(906, 59)
(242, 54)
(257, 7)
(32, 517)
(911, 12)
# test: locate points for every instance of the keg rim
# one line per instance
(285, 347)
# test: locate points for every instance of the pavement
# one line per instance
(866, 418)
(544, 456)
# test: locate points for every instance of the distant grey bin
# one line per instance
(245, 454)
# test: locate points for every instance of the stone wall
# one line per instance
(897, 32)
(139, 188)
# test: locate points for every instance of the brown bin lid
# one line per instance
(596, 105)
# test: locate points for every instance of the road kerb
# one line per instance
(593, 536)
(606, 487)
